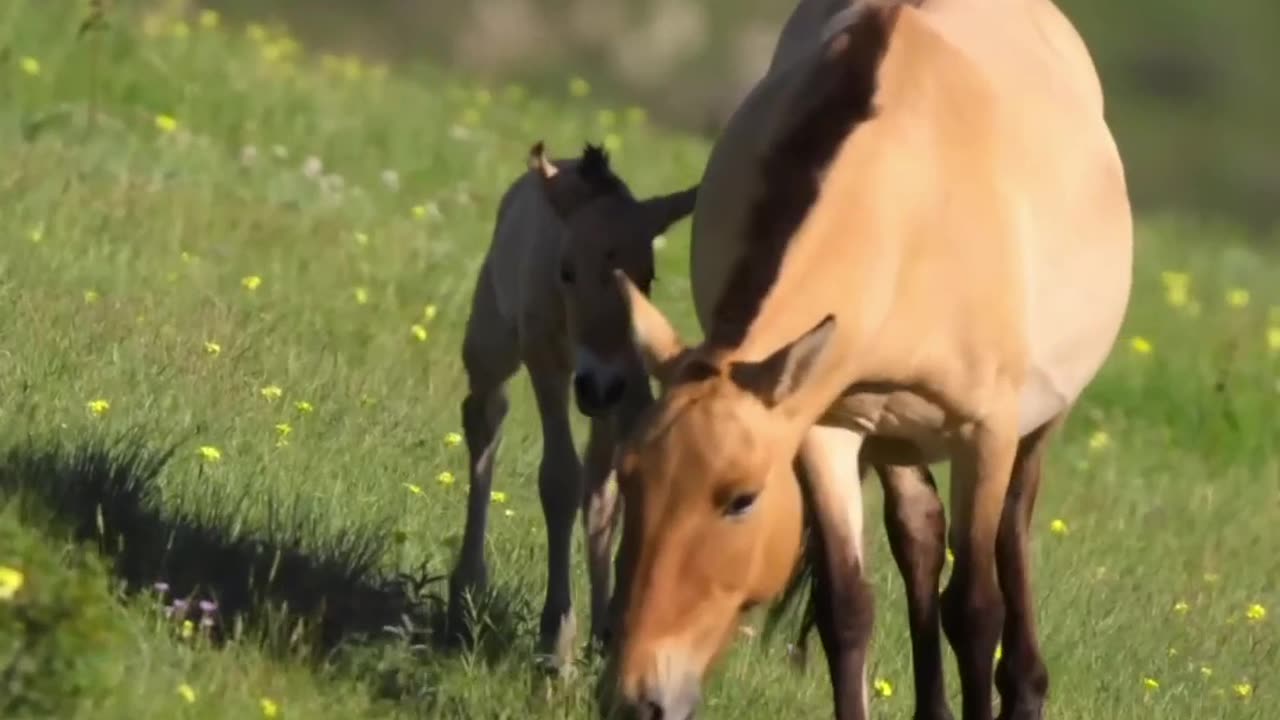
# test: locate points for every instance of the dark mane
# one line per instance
(597, 176)
(832, 101)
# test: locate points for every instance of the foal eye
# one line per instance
(740, 504)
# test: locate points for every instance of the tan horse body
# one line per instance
(913, 243)
(545, 298)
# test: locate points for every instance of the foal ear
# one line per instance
(652, 334)
(551, 180)
(663, 211)
(777, 377)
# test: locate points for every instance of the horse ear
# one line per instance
(663, 211)
(778, 376)
(550, 179)
(654, 338)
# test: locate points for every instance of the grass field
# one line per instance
(234, 279)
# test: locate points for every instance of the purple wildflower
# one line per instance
(161, 587)
(208, 606)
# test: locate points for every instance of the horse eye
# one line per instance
(740, 504)
(566, 273)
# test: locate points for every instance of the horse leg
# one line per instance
(599, 515)
(972, 606)
(490, 357)
(843, 602)
(1021, 676)
(560, 490)
(916, 526)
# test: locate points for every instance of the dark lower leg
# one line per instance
(916, 525)
(972, 614)
(844, 610)
(1021, 675)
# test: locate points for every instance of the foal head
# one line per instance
(604, 229)
(713, 508)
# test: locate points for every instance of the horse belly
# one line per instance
(902, 427)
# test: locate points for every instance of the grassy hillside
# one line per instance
(234, 280)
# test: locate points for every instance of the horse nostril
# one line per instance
(613, 392)
(651, 711)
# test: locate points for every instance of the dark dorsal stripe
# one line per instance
(835, 98)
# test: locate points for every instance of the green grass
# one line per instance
(123, 256)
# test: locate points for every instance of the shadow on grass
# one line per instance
(301, 604)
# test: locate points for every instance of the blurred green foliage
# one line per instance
(1191, 88)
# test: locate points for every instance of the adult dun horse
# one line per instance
(545, 298)
(925, 257)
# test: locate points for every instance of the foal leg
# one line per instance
(843, 601)
(972, 607)
(599, 516)
(490, 357)
(916, 525)
(560, 490)
(1021, 675)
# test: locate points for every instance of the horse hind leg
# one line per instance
(1021, 676)
(916, 525)
(490, 357)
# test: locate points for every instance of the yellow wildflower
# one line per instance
(430, 311)
(1099, 440)
(98, 407)
(209, 19)
(419, 332)
(951, 557)
(413, 488)
(271, 392)
(612, 142)
(210, 453)
(283, 429)
(883, 688)
(303, 406)
(30, 66)
(1238, 297)
(579, 87)
(180, 30)
(1181, 607)
(1206, 671)
(255, 32)
(37, 233)
(419, 211)
(1150, 683)
(186, 691)
(1256, 613)
(362, 238)
(166, 123)
(269, 708)
(1141, 345)
(445, 478)
(1212, 578)
(637, 116)
(251, 282)
(212, 347)
(999, 651)
(188, 629)
(91, 297)
(1173, 651)
(1273, 338)
(1058, 527)
(452, 439)
(509, 513)
(498, 496)
(362, 295)
(11, 581)
(1243, 690)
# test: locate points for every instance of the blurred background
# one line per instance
(1193, 93)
